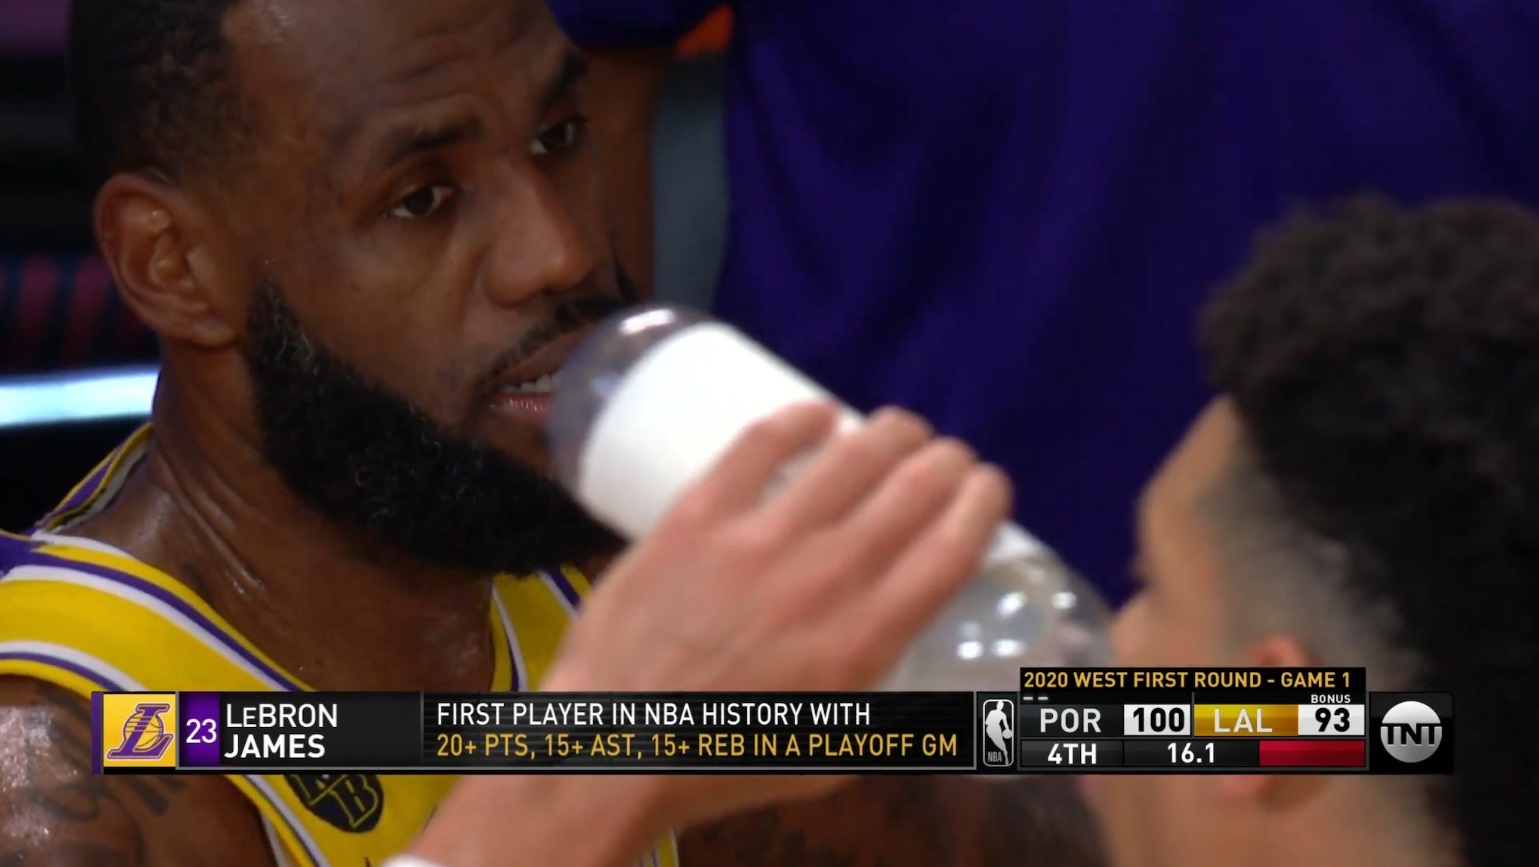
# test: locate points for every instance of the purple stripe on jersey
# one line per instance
(558, 578)
(174, 602)
(87, 490)
(92, 487)
(71, 667)
(13, 549)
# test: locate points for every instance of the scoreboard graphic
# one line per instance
(1080, 721)
(1267, 720)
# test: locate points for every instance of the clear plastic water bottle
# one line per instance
(653, 396)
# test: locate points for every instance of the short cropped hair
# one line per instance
(153, 83)
(1384, 364)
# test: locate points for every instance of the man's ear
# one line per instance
(1275, 651)
(158, 244)
(1281, 651)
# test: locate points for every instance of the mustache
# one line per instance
(571, 315)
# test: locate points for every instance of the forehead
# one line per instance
(1175, 540)
(353, 58)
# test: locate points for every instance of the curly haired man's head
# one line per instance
(1364, 492)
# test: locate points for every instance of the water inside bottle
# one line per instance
(1023, 612)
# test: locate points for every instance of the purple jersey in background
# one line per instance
(1004, 213)
(33, 27)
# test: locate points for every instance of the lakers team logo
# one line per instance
(137, 730)
(350, 802)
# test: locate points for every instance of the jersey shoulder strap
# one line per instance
(541, 607)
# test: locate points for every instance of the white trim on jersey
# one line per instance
(515, 650)
(104, 672)
(275, 843)
(80, 542)
(312, 849)
(62, 575)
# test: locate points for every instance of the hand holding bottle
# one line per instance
(656, 394)
(816, 585)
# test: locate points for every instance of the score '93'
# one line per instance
(1338, 718)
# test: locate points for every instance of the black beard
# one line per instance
(374, 462)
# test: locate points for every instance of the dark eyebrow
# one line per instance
(408, 141)
(574, 70)
(405, 142)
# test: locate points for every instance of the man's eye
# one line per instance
(423, 203)
(560, 138)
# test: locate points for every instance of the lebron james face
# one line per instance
(421, 208)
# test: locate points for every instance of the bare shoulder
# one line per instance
(55, 813)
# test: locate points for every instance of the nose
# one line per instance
(1126, 629)
(537, 246)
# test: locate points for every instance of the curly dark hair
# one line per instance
(153, 82)
(1384, 363)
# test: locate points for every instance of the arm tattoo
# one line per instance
(61, 805)
(765, 839)
(73, 737)
(1040, 821)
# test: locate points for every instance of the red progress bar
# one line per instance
(1314, 754)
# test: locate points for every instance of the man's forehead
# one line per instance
(1205, 452)
(1172, 503)
(356, 56)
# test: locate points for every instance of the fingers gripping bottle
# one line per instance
(655, 395)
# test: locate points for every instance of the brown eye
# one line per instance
(562, 137)
(423, 203)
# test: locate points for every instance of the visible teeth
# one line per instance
(544, 385)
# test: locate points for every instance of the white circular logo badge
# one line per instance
(1411, 732)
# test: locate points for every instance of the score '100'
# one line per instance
(1160, 719)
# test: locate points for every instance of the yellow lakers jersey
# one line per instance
(90, 618)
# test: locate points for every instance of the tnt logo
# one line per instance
(136, 730)
(1412, 733)
(999, 733)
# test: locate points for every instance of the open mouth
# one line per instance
(546, 384)
(528, 386)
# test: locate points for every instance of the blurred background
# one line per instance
(1001, 215)
(77, 370)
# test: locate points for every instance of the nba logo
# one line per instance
(999, 733)
(135, 730)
